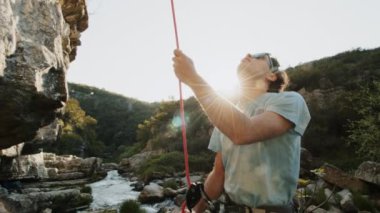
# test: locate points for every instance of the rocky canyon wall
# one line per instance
(38, 40)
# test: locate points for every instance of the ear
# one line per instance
(271, 77)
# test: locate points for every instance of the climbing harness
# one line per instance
(182, 112)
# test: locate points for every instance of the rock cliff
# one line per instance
(38, 39)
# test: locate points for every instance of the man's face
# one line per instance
(251, 68)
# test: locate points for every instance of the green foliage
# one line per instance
(117, 117)
(131, 206)
(319, 197)
(364, 132)
(339, 81)
(174, 162)
(170, 184)
(166, 163)
(78, 135)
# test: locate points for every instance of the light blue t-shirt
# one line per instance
(266, 172)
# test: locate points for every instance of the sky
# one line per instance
(128, 47)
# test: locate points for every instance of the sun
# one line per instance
(228, 88)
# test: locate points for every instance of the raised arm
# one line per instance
(238, 127)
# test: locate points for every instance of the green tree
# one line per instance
(78, 135)
(364, 132)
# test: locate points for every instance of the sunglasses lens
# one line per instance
(264, 55)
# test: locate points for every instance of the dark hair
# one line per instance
(282, 81)
(280, 84)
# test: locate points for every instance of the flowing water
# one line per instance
(112, 191)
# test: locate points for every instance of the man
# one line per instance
(257, 141)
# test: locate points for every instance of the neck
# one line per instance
(249, 94)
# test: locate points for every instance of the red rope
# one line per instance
(182, 108)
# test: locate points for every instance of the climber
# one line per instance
(256, 140)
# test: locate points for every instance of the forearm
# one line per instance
(214, 184)
(222, 113)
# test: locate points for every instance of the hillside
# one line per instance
(117, 116)
(342, 93)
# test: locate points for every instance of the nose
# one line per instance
(248, 57)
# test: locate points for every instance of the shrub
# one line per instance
(171, 184)
(131, 206)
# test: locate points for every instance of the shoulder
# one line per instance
(288, 96)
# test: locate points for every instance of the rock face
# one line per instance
(57, 182)
(38, 40)
(48, 166)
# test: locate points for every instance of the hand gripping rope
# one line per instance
(182, 112)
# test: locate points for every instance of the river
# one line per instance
(112, 191)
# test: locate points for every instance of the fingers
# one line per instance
(177, 52)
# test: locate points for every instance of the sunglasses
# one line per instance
(266, 56)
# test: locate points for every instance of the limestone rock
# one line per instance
(37, 45)
(369, 171)
(134, 162)
(59, 200)
(152, 193)
(12, 151)
(339, 178)
(43, 166)
(23, 167)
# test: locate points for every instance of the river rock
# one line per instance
(315, 209)
(152, 193)
(347, 204)
(369, 171)
(170, 193)
(138, 186)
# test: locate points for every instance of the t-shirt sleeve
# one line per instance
(215, 143)
(292, 107)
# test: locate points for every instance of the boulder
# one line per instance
(152, 193)
(170, 193)
(134, 162)
(369, 171)
(347, 204)
(138, 186)
(341, 179)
